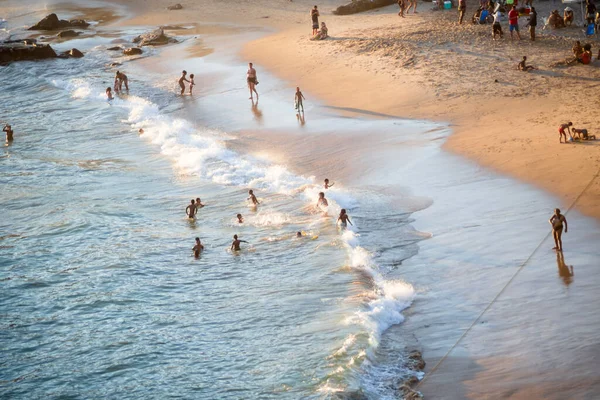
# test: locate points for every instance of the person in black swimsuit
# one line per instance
(314, 15)
(557, 221)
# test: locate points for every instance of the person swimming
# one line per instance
(298, 234)
(240, 219)
(252, 197)
(344, 219)
(109, 94)
(327, 185)
(198, 248)
(235, 245)
(190, 210)
(322, 200)
(141, 131)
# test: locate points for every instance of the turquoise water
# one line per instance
(101, 295)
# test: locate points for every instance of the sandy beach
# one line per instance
(529, 334)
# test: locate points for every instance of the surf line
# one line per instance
(436, 366)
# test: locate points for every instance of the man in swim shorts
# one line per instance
(235, 245)
(314, 16)
(198, 248)
(252, 81)
(513, 22)
(190, 210)
(557, 221)
(561, 131)
(181, 80)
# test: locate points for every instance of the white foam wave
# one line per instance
(78, 87)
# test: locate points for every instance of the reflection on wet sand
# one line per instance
(300, 118)
(564, 271)
(257, 113)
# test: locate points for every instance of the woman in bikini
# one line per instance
(252, 82)
(557, 221)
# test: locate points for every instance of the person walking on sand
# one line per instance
(561, 131)
(298, 99)
(314, 16)
(513, 22)
(252, 82)
(462, 9)
(532, 23)
(235, 245)
(191, 83)
(190, 210)
(413, 4)
(252, 198)
(181, 80)
(556, 221)
(198, 248)
(402, 5)
(496, 27)
(344, 219)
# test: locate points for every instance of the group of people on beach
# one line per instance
(183, 79)
(192, 210)
(318, 34)
(120, 80)
(567, 127)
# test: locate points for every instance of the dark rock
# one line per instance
(132, 51)
(51, 22)
(22, 41)
(75, 53)
(362, 5)
(114, 64)
(22, 52)
(154, 38)
(115, 48)
(68, 34)
(175, 7)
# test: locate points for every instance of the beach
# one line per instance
(445, 155)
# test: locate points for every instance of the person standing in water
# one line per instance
(198, 203)
(298, 99)
(557, 221)
(235, 245)
(190, 210)
(181, 80)
(344, 219)
(252, 197)
(322, 200)
(327, 185)
(109, 95)
(9, 133)
(122, 78)
(191, 83)
(252, 81)
(198, 248)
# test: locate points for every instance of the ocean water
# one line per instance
(101, 295)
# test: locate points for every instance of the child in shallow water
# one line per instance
(109, 95)
(191, 82)
(344, 219)
(240, 219)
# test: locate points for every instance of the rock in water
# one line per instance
(22, 52)
(175, 7)
(68, 34)
(75, 53)
(132, 51)
(115, 48)
(154, 38)
(51, 22)
(362, 5)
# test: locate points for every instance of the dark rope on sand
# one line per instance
(436, 366)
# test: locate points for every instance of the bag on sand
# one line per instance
(591, 28)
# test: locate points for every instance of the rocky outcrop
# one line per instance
(24, 52)
(132, 51)
(68, 34)
(175, 7)
(51, 23)
(362, 5)
(75, 53)
(115, 48)
(154, 38)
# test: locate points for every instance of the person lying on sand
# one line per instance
(344, 219)
(252, 197)
(240, 219)
(561, 131)
(322, 200)
(190, 210)
(327, 185)
(181, 80)
(109, 95)
(198, 248)
(583, 134)
(235, 245)
(523, 65)
(556, 221)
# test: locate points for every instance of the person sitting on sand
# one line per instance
(322, 34)
(240, 219)
(583, 134)
(577, 49)
(568, 16)
(181, 80)
(523, 65)
(327, 185)
(109, 95)
(556, 221)
(235, 245)
(198, 248)
(190, 210)
(9, 133)
(322, 200)
(555, 20)
(344, 219)
(561, 131)
(252, 197)
(496, 27)
(191, 82)
(298, 99)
